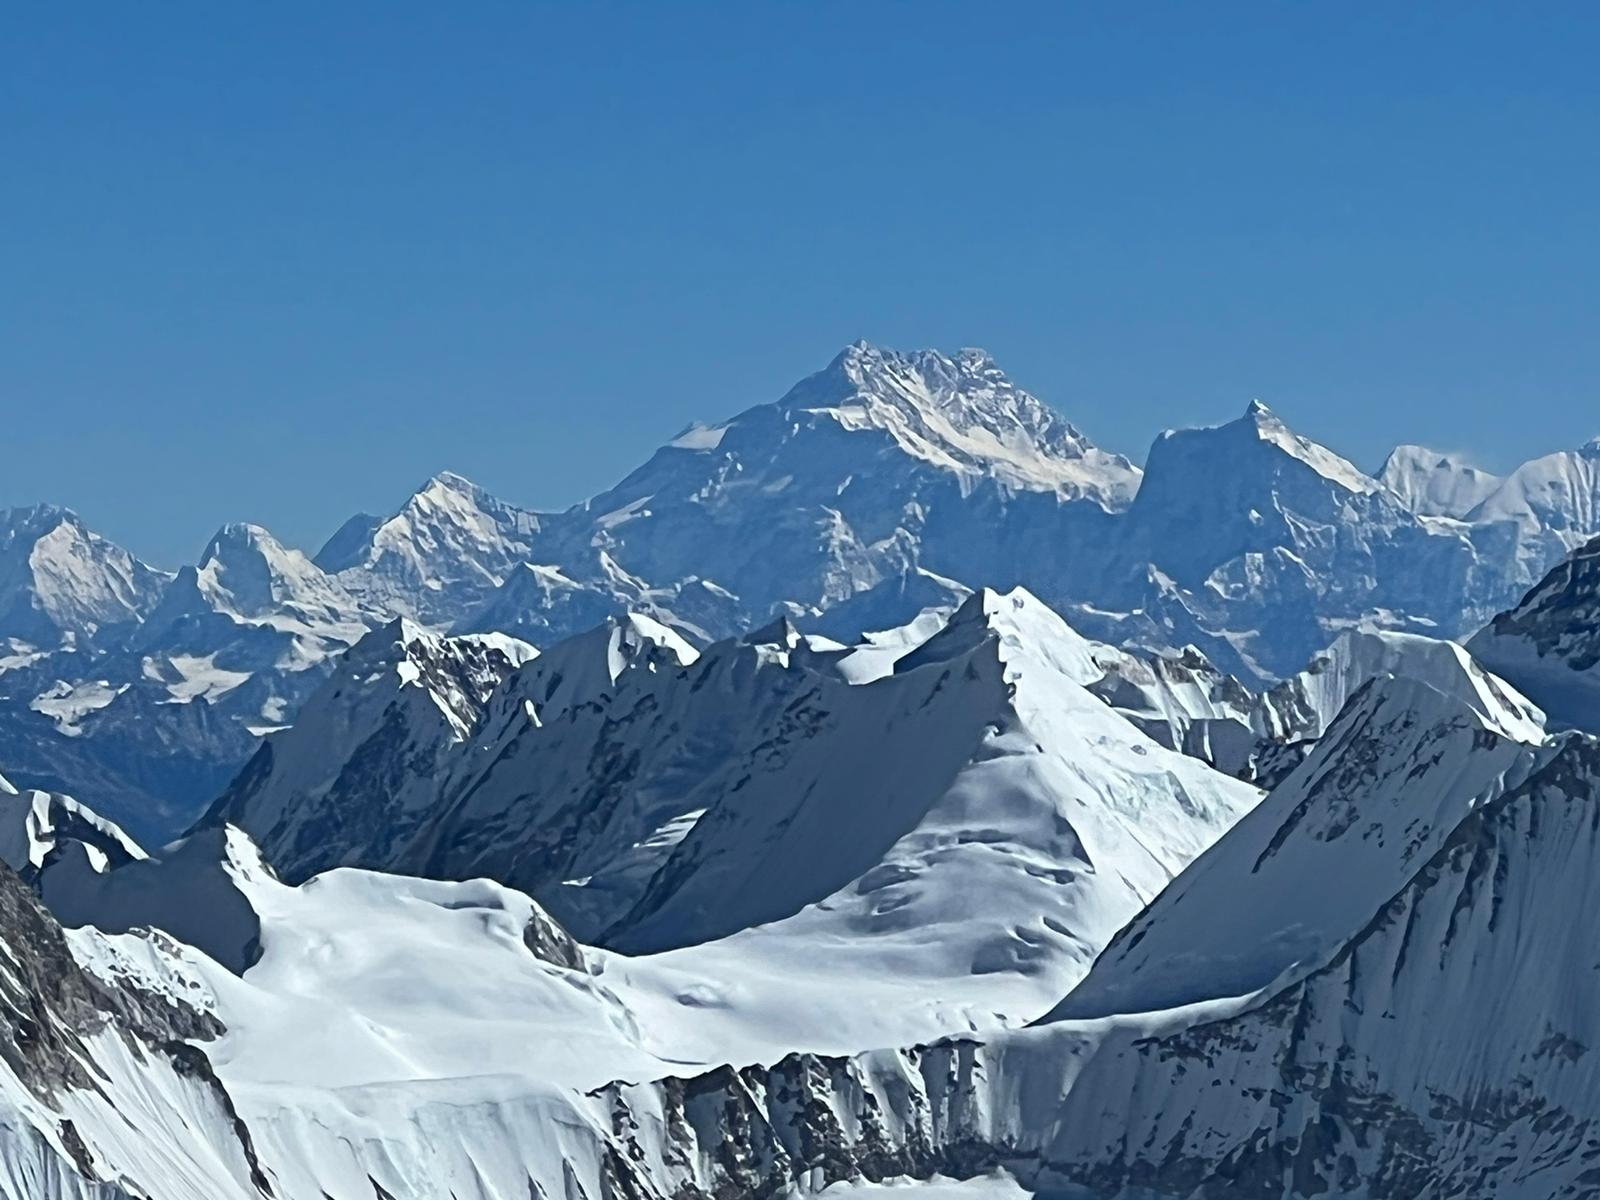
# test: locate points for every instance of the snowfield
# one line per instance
(727, 837)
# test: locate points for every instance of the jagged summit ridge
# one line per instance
(963, 413)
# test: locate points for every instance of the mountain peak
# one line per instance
(58, 577)
(440, 555)
(1268, 427)
(961, 412)
(36, 518)
(1015, 622)
(1434, 482)
(241, 535)
(449, 481)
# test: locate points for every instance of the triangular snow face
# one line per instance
(1388, 783)
(963, 414)
(61, 581)
(1302, 707)
(439, 557)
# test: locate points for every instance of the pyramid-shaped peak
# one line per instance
(238, 536)
(962, 413)
(1017, 623)
(1259, 426)
(450, 482)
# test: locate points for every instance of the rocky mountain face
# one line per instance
(1550, 642)
(106, 1086)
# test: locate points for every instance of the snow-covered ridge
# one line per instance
(375, 1031)
(1436, 484)
(1341, 1062)
(962, 413)
(35, 826)
(884, 483)
(653, 798)
(1303, 706)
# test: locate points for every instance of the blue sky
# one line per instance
(281, 263)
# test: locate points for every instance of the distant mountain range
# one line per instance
(883, 787)
(880, 485)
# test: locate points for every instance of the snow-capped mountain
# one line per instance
(364, 759)
(1302, 707)
(653, 797)
(247, 575)
(1549, 644)
(878, 464)
(1273, 544)
(1277, 1018)
(1391, 779)
(152, 722)
(1432, 483)
(448, 547)
(727, 836)
(1286, 1021)
(881, 485)
(62, 583)
(1554, 500)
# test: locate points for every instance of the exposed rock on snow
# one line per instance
(1549, 644)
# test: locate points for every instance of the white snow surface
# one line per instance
(962, 413)
(1436, 484)
(1391, 778)
(1305, 705)
(653, 799)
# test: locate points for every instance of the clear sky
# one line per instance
(281, 262)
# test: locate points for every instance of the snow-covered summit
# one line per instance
(248, 576)
(1402, 765)
(1436, 484)
(963, 413)
(59, 579)
(1259, 425)
(447, 548)
(651, 798)
(1554, 499)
